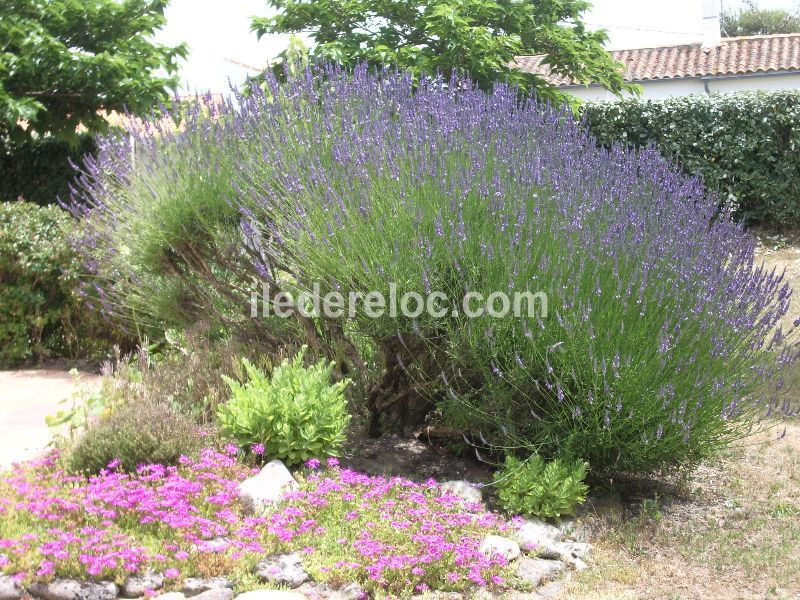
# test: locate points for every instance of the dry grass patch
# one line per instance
(730, 530)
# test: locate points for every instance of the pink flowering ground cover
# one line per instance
(393, 536)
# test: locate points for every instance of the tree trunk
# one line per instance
(396, 403)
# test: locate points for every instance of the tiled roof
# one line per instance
(733, 56)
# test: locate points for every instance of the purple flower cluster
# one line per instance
(396, 534)
(392, 534)
(661, 329)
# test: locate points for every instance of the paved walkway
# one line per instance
(26, 398)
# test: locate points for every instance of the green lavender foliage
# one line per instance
(296, 414)
(542, 489)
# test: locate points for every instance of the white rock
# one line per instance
(579, 564)
(171, 596)
(495, 545)
(463, 489)
(194, 586)
(576, 550)
(216, 594)
(270, 595)
(532, 533)
(566, 551)
(261, 492)
(322, 591)
(282, 569)
(71, 589)
(136, 585)
(537, 571)
(10, 589)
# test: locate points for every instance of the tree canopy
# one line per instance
(755, 21)
(480, 37)
(61, 61)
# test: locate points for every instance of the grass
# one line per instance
(730, 530)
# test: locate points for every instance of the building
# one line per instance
(715, 64)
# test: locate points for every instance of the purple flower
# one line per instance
(257, 449)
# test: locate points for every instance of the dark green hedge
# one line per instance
(745, 145)
(39, 170)
(41, 312)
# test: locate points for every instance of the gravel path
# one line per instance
(26, 398)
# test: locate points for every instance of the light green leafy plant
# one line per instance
(539, 488)
(296, 414)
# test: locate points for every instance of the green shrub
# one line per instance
(296, 414)
(745, 145)
(136, 434)
(660, 332)
(41, 312)
(542, 489)
(39, 170)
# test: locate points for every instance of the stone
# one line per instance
(537, 571)
(263, 491)
(575, 550)
(551, 590)
(70, 589)
(579, 564)
(216, 594)
(564, 551)
(568, 526)
(136, 585)
(172, 596)
(283, 569)
(322, 591)
(270, 595)
(10, 589)
(532, 533)
(548, 549)
(194, 586)
(351, 591)
(463, 489)
(498, 545)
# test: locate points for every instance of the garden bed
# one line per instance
(215, 528)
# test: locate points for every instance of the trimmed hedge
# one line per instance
(744, 145)
(39, 170)
(41, 313)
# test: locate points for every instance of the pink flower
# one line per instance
(172, 573)
(257, 449)
(332, 462)
(312, 463)
(231, 449)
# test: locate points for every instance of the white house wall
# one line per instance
(656, 90)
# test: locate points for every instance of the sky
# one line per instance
(220, 40)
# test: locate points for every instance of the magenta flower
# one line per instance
(257, 449)
(312, 463)
(332, 462)
(231, 449)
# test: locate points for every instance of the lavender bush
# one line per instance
(161, 238)
(661, 330)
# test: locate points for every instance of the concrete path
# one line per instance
(26, 398)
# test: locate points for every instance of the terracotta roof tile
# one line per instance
(733, 56)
